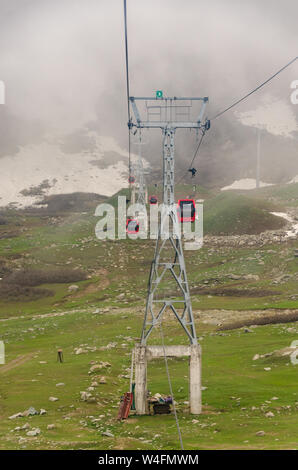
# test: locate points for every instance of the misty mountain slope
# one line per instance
(74, 202)
(53, 167)
(283, 194)
(230, 213)
(245, 183)
(234, 212)
(294, 180)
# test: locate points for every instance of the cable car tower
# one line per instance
(168, 114)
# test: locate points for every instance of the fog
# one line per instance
(63, 65)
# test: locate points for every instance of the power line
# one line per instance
(235, 104)
(254, 90)
(170, 386)
(126, 59)
(195, 154)
(127, 92)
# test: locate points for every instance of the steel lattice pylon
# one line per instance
(171, 245)
(168, 258)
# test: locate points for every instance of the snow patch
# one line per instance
(293, 232)
(275, 116)
(39, 170)
(245, 183)
(294, 180)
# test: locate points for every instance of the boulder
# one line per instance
(73, 288)
(85, 396)
(17, 415)
(107, 433)
(80, 351)
(51, 426)
(33, 432)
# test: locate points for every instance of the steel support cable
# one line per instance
(170, 386)
(238, 102)
(194, 157)
(127, 92)
(254, 90)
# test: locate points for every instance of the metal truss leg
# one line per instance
(168, 266)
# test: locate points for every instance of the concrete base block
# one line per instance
(140, 380)
(143, 354)
(195, 383)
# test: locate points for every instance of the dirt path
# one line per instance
(16, 362)
(98, 286)
(213, 317)
(230, 319)
(44, 315)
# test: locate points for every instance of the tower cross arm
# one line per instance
(168, 105)
(135, 110)
(202, 110)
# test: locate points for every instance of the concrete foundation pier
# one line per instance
(143, 354)
(140, 380)
(195, 382)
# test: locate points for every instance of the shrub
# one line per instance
(14, 292)
(269, 319)
(36, 277)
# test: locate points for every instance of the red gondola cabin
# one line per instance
(131, 179)
(186, 210)
(132, 226)
(152, 200)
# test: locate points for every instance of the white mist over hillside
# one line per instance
(39, 170)
(245, 183)
(275, 116)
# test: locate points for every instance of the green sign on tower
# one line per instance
(159, 94)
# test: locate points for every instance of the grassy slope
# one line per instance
(238, 212)
(285, 194)
(235, 385)
(230, 214)
(122, 267)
